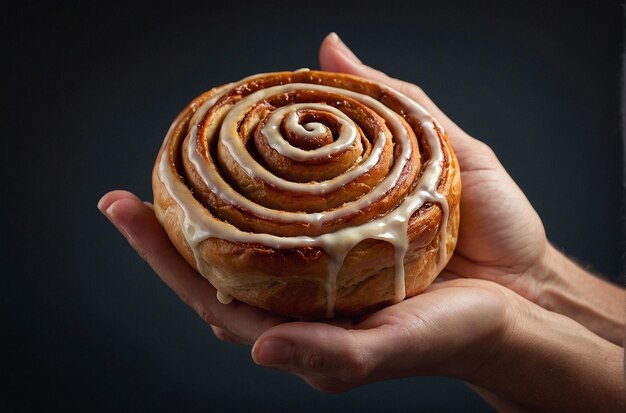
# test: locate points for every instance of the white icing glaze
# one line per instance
(236, 148)
(271, 130)
(229, 137)
(224, 298)
(198, 224)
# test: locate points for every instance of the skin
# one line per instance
(510, 314)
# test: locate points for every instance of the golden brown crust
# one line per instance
(292, 281)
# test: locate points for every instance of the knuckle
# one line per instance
(347, 365)
(222, 334)
(486, 152)
(411, 90)
(185, 298)
(144, 254)
(314, 362)
(343, 367)
(205, 314)
(405, 88)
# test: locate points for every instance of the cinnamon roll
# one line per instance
(308, 193)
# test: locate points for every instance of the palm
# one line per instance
(501, 236)
(433, 333)
(447, 310)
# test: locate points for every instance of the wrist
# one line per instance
(548, 362)
(566, 288)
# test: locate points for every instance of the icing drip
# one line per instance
(331, 283)
(224, 298)
(199, 224)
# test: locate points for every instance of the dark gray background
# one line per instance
(90, 90)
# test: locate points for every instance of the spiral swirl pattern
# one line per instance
(303, 161)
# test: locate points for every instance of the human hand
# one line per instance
(517, 355)
(465, 323)
(510, 349)
(451, 329)
(455, 304)
(502, 238)
(461, 328)
(136, 221)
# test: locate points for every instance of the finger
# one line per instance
(335, 56)
(227, 336)
(331, 358)
(328, 353)
(109, 199)
(433, 333)
(137, 222)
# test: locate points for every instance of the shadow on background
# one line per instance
(91, 91)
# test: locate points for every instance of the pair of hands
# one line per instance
(466, 325)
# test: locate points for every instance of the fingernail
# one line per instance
(344, 49)
(109, 211)
(101, 205)
(272, 351)
(110, 214)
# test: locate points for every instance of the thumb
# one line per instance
(335, 56)
(330, 358)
